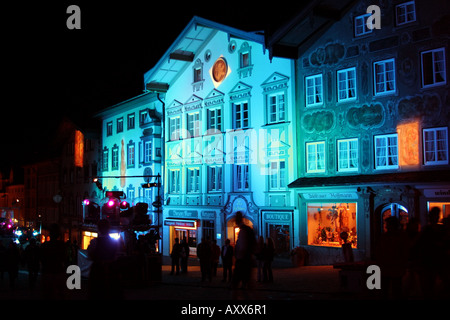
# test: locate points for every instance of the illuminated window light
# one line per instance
(115, 235)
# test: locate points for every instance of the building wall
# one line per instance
(344, 131)
(201, 180)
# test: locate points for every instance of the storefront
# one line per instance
(278, 225)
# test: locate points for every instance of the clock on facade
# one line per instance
(220, 69)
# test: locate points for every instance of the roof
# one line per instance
(186, 47)
(442, 176)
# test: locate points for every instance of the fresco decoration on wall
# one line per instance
(331, 54)
(366, 116)
(321, 121)
(426, 106)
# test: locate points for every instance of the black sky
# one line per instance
(52, 71)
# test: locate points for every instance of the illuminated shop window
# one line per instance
(326, 221)
(443, 206)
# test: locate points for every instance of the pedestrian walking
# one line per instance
(32, 258)
(259, 255)
(245, 247)
(227, 260)
(53, 255)
(184, 254)
(215, 257)
(204, 253)
(268, 254)
(103, 278)
(175, 255)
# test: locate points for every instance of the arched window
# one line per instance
(396, 210)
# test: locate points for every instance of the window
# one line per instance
(241, 115)
(130, 121)
(386, 152)
(326, 221)
(405, 13)
(435, 144)
(198, 74)
(174, 181)
(348, 155)
(215, 178)
(433, 68)
(361, 25)
(193, 124)
(131, 193)
(215, 119)
(175, 128)
(346, 82)
(115, 158)
(109, 129)
(143, 116)
(276, 108)
(314, 90)
(245, 59)
(193, 180)
(147, 151)
(105, 159)
(120, 125)
(277, 175)
(384, 77)
(131, 155)
(241, 177)
(315, 157)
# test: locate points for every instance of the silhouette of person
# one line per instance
(102, 251)
(268, 254)
(244, 249)
(346, 247)
(259, 255)
(215, 257)
(431, 253)
(227, 260)
(392, 257)
(53, 255)
(184, 254)
(204, 253)
(175, 255)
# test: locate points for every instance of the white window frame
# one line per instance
(174, 181)
(315, 157)
(119, 125)
(215, 178)
(109, 129)
(277, 175)
(115, 158)
(131, 121)
(131, 155)
(346, 84)
(241, 115)
(348, 155)
(404, 11)
(174, 128)
(193, 124)
(241, 177)
(105, 157)
(215, 118)
(147, 151)
(384, 74)
(276, 107)
(360, 25)
(193, 180)
(438, 67)
(314, 90)
(387, 152)
(432, 145)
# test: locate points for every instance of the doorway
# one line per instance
(395, 210)
(233, 229)
(190, 236)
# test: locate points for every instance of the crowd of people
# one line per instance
(415, 260)
(210, 254)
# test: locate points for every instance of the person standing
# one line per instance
(175, 255)
(268, 253)
(215, 257)
(204, 253)
(227, 261)
(184, 254)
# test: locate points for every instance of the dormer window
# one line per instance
(197, 84)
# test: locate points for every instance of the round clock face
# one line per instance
(220, 69)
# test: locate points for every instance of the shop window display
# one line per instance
(326, 221)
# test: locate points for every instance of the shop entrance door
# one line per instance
(396, 210)
(281, 237)
(190, 236)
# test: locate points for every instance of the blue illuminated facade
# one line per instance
(372, 122)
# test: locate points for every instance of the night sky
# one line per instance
(51, 71)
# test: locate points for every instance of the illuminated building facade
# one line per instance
(373, 119)
(228, 136)
(131, 149)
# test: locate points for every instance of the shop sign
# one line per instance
(277, 216)
(436, 193)
(180, 223)
(330, 195)
(183, 213)
(208, 214)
